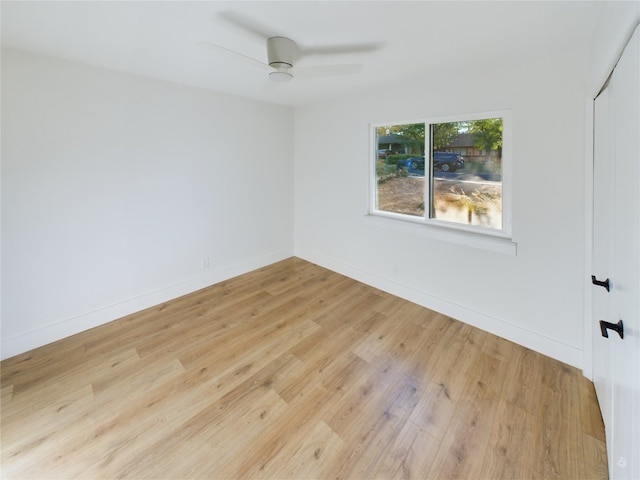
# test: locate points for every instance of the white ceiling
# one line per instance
(415, 38)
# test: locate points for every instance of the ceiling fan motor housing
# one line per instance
(280, 52)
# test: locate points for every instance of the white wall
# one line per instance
(617, 22)
(115, 187)
(534, 298)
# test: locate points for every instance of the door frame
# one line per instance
(587, 352)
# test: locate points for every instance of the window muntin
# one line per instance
(423, 166)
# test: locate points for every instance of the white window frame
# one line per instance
(471, 235)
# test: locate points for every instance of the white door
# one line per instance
(616, 242)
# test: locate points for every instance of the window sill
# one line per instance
(483, 241)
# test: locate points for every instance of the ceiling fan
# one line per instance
(283, 53)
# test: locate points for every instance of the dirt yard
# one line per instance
(475, 203)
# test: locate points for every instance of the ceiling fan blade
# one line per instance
(235, 54)
(248, 25)
(326, 71)
(339, 49)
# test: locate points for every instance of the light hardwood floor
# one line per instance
(294, 371)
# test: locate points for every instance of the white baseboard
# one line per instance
(550, 347)
(56, 331)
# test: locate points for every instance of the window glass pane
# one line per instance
(400, 168)
(467, 190)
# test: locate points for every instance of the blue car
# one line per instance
(445, 161)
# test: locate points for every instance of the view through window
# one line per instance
(442, 172)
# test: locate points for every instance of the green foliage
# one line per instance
(382, 131)
(487, 133)
(412, 132)
(444, 133)
(385, 171)
(415, 132)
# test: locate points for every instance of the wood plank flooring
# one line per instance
(294, 371)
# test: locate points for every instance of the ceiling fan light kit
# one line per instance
(281, 75)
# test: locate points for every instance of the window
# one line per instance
(424, 178)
